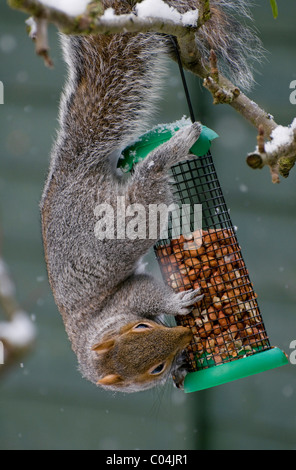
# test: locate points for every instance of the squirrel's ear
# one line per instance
(112, 379)
(103, 347)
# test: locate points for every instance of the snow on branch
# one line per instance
(279, 153)
(149, 15)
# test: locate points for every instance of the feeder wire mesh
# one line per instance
(227, 323)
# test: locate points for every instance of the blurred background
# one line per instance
(44, 403)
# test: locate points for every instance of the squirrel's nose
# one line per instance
(185, 332)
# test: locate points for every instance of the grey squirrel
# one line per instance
(112, 313)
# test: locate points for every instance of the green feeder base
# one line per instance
(238, 369)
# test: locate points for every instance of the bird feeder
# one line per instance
(229, 337)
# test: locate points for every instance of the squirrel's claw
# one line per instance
(187, 299)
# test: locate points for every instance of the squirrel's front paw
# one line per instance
(191, 134)
(180, 144)
(186, 137)
(185, 300)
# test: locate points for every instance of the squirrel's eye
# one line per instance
(158, 369)
(142, 326)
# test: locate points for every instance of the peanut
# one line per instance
(192, 275)
(193, 263)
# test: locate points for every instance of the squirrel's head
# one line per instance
(139, 356)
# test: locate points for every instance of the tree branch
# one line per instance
(93, 21)
(87, 23)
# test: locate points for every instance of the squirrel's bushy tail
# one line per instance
(230, 34)
(236, 44)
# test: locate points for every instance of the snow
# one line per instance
(281, 136)
(190, 18)
(145, 9)
(31, 22)
(70, 7)
(19, 332)
(109, 14)
(159, 9)
(243, 188)
(179, 124)
(8, 43)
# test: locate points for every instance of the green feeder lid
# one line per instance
(233, 370)
(157, 136)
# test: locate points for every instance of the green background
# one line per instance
(44, 403)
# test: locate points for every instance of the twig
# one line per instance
(38, 32)
(214, 66)
(42, 48)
